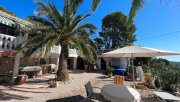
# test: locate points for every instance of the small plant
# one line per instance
(110, 69)
(129, 72)
(149, 80)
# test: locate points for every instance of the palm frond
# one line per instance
(57, 16)
(135, 7)
(74, 4)
(47, 47)
(95, 4)
(89, 27)
(78, 19)
(50, 12)
(40, 22)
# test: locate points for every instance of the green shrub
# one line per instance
(157, 82)
(130, 69)
(110, 69)
(168, 80)
(149, 78)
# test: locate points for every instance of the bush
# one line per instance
(157, 83)
(167, 75)
(168, 80)
(110, 69)
(149, 78)
(130, 69)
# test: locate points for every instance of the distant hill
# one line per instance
(174, 63)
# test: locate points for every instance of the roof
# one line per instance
(9, 19)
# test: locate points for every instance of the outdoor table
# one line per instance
(166, 96)
(120, 93)
(31, 71)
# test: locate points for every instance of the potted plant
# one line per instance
(130, 72)
(109, 70)
(89, 64)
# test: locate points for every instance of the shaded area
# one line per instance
(38, 81)
(14, 89)
(102, 77)
(77, 98)
(31, 88)
(76, 71)
(149, 99)
(6, 96)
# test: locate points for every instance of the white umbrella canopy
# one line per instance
(138, 51)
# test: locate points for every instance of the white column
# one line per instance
(57, 64)
(75, 63)
(16, 67)
(99, 62)
(1, 42)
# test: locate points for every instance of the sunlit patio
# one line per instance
(37, 89)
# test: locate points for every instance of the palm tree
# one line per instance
(135, 7)
(53, 27)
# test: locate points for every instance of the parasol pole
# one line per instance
(133, 70)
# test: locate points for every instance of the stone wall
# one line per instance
(6, 64)
(36, 61)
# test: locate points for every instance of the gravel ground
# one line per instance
(37, 90)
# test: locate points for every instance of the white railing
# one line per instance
(55, 50)
(73, 53)
(7, 42)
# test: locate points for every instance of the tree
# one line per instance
(116, 31)
(8, 12)
(52, 27)
(135, 7)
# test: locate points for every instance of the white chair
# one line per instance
(166, 97)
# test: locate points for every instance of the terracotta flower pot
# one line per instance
(109, 74)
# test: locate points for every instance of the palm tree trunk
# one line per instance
(62, 73)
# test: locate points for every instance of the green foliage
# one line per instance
(168, 75)
(135, 7)
(169, 79)
(149, 78)
(42, 61)
(89, 61)
(130, 69)
(95, 4)
(116, 31)
(8, 12)
(157, 83)
(141, 61)
(53, 27)
(109, 69)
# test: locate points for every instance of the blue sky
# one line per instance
(153, 22)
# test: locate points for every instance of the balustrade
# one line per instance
(7, 42)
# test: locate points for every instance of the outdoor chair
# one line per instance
(92, 96)
(118, 79)
(166, 97)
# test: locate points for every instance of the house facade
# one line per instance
(11, 60)
(102, 63)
